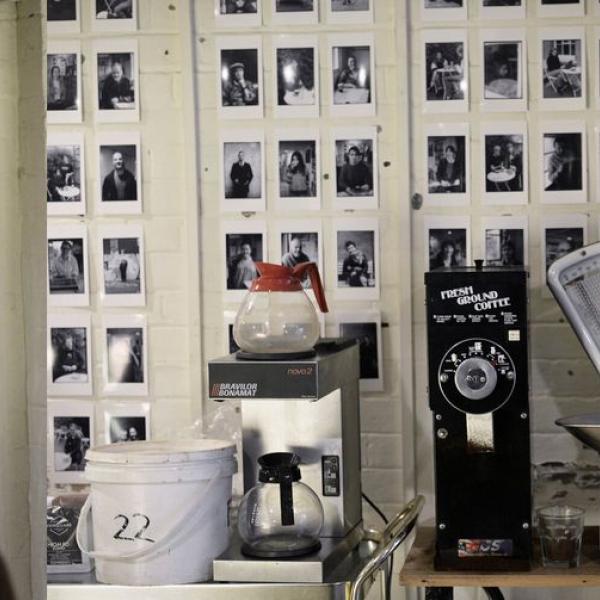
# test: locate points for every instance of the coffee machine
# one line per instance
(478, 395)
(309, 407)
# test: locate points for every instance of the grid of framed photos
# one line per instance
(269, 174)
(78, 243)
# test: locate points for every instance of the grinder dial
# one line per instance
(476, 376)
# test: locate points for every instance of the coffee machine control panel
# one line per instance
(476, 376)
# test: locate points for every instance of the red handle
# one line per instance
(315, 281)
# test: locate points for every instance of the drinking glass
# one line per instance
(560, 529)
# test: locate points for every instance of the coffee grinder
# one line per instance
(478, 395)
(310, 407)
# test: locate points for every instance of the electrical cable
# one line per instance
(388, 582)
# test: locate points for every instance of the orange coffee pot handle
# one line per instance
(315, 281)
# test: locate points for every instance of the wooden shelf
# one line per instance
(418, 569)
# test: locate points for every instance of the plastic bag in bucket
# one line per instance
(158, 510)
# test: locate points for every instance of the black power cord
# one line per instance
(388, 583)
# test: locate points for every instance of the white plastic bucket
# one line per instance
(158, 510)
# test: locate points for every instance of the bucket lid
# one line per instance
(162, 452)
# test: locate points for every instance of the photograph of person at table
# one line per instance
(447, 248)
(562, 162)
(355, 262)
(351, 75)
(354, 167)
(69, 355)
(562, 68)
(295, 76)
(444, 77)
(115, 80)
(502, 64)
(62, 82)
(446, 164)
(504, 163)
(65, 266)
(504, 247)
(63, 172)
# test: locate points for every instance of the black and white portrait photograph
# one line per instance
(298, 169)
(355, 168)
(445, 71)
(504, 163)
(563, 165)
(70, 435)
(448, 246)
(116, 80)
(560, 8)
(69, 367)
(114, 15)
(125, 355)
(299, 247)
(502, 9)
(352, 75)
(365, 327)
(62, 16)
(127, 429)
(444, 10)
(243, 250)
(447, 166)
(503, 70)
(67, 265)
(562, 70)
(349, 11)
(357, 260)
(63, 73)
(122, 265)
(119, 173)
(295, 11)
(65, 174)
(242, 171)
(297, 86)
(560, 241)
(240, 85)
(504, 247)
(238, 13)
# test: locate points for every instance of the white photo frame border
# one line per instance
(298, 18)
(566, 10)
(365, 316)
(75, 138)
(70, 231)
(595, 63)
(79, 320)
(339, 134)
(458, 13)
(112, 409)
(356, 17)
(296, 41)
(251, 226)
(62, 27)
(505, 128)
(558, 221)
(357, 224)
(506, 222)
(116, 46)
(114, 25)
(443, 130)
(562, 33)
(118, 231)
(567, 196)
(309, 134)
(448, 36)
(341, 40)
(246, 42)
(238, 20)
(65, 408)
(55, 117)
(125, 207)
(232, 136)
(450, 222)
(517, 36)
(124, 321)
(503, 12)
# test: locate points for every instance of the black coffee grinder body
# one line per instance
(478, 392)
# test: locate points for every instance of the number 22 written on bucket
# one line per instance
(119, 535)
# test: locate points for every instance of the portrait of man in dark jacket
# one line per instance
(120, 183)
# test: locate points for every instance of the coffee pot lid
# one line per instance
(279, 467)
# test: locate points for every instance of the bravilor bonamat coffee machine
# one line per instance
(309, 407)
(478, 394)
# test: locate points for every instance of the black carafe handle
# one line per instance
(286, 499)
